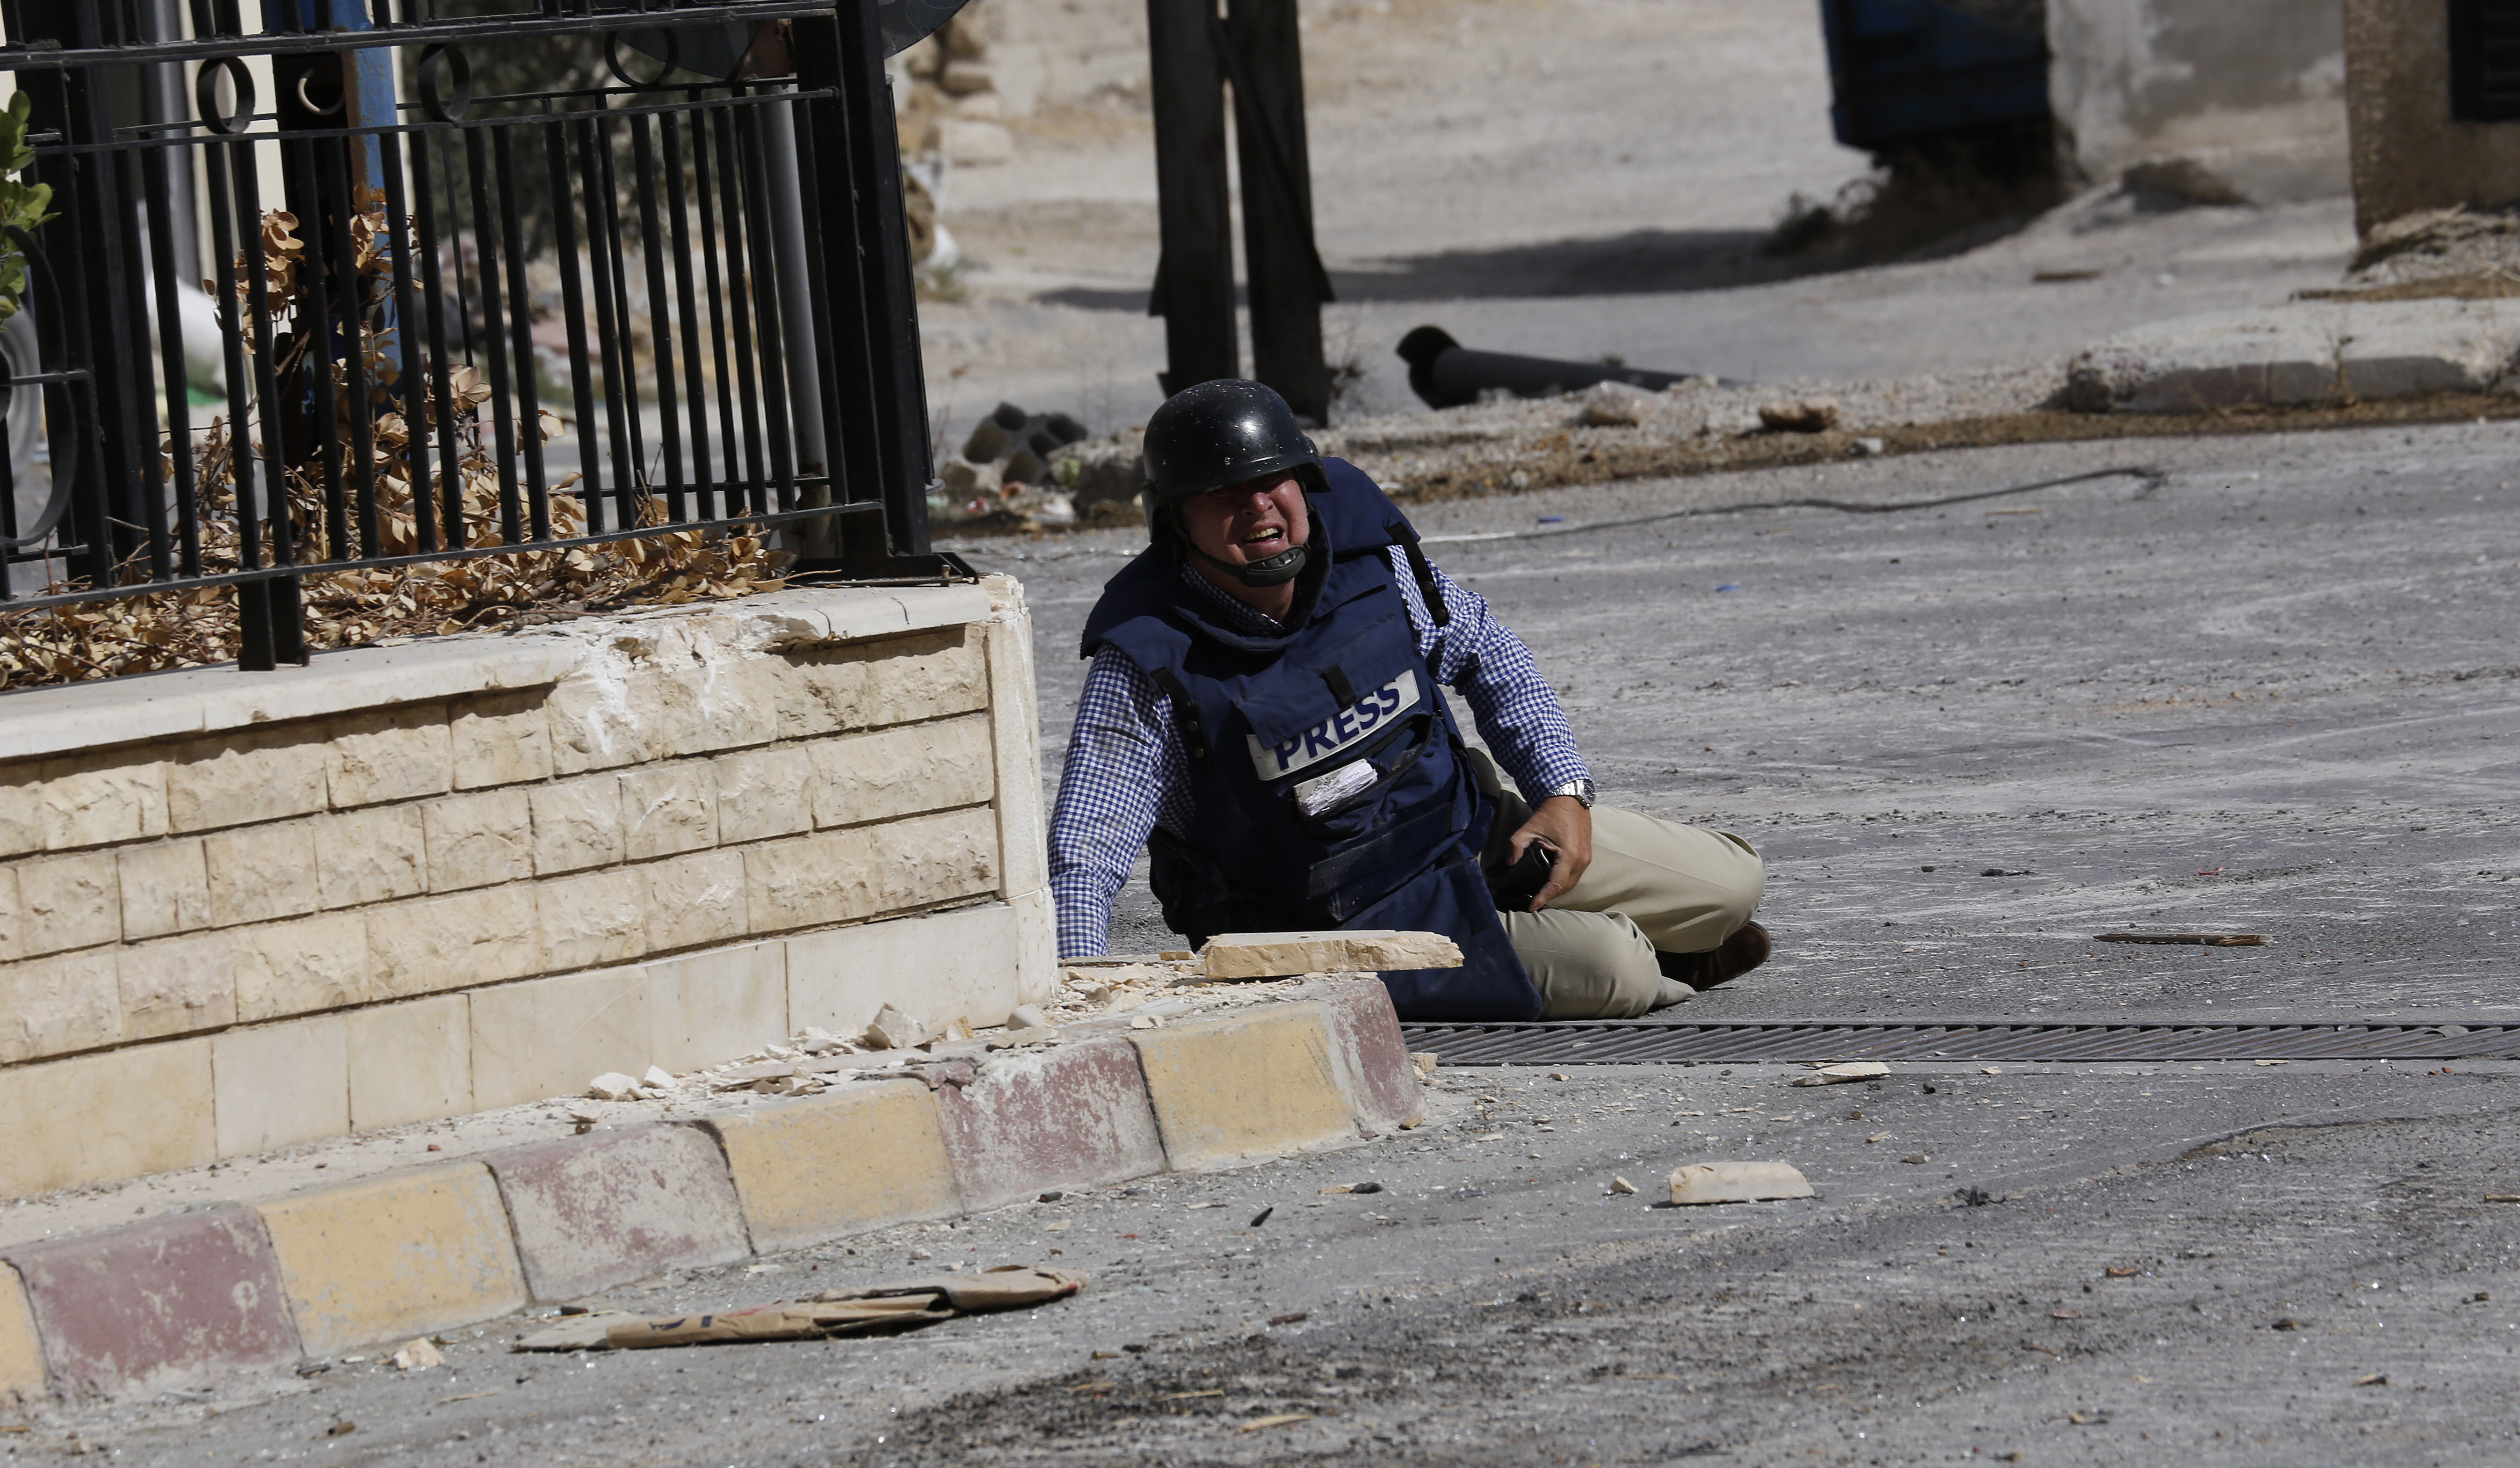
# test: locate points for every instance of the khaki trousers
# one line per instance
(1652, 885)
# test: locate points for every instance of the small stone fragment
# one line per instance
(1841, 1074)
(1275, 955)
(1799, 415)
(419, 1356)
(1915, 1156)
(611, 1086)
(1425, 1060)
(1025, 1017)
(1622, 1185)
(894, 1031)
(1608, 404)
(659, 1078)
(1736, 1182)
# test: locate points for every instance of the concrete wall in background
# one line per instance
(2251, 90)
(241, 911)
(2408, 154)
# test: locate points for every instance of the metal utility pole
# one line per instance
(1194, 53)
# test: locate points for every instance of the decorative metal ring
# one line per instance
(341, 95)
(205, 95)
(454, 103)
(65, 445)
(665, 64)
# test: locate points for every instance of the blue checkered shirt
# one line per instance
(1127, 773)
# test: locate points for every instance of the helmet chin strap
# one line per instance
(1272, 570)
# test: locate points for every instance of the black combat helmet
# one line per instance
(1219, 434)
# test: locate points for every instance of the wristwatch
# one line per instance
(1580, 789)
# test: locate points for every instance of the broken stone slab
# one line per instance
(894, 1031)
(1276, 955)
(1736, 1182)
(612, 1086)
(1799, 415)
(2302, 353)
(1608, 404)
(1842, 1073)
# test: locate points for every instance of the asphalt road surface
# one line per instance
(2272, 687)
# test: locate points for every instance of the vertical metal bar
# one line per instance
(332, 157)
(136, 349)
(704, 201)
(636, 476)
(314, 339)
(463, 287)
(572, 306)
(273, 602)
(232, 338)
(766, 304)
(603, 243)
(447, 502)
(1286, 282)
(853, 451)
(502, 407)
(669, 127)
(520, 318)
(411, 387)
(740, 301)
(660, 327)
(1195, 275)
(861, 121)
(163, 224)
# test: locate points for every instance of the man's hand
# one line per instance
(1564, 826)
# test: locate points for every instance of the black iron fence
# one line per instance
(312, 299)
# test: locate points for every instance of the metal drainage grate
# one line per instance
(1621, 1042)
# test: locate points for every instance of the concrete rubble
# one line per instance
(1263, 955)
(1736, 1182)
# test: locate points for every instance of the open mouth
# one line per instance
(1270, 538)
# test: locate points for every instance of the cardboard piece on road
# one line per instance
(1736, 1182)
(1363, 950)
(853, 1311)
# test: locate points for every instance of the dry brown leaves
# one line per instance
(351, 605)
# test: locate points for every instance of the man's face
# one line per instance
(1248, 522)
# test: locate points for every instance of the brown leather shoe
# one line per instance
(1745, 950)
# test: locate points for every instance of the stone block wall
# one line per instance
(2410, 153)
(238, 911)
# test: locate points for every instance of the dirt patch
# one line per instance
(1554, 461)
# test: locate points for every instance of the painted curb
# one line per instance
(445, 1244)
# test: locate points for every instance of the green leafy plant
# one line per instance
(22, 205)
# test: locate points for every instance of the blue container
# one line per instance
(1901, 69)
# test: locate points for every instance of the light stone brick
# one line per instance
(68, 902)
(903, 771)
(372, 855)
(410, 1062)
(728, 701)
(95, 801)
(21, 811)
(696, 900)
(708, 1008)
(764, 794)
(275, 1085)
(551, 1036)
(165, 889)
(262, 872)
(869, 870)
(246, 776)
(51, 1006)
(603, 716)
(894, 681)
(1015, 726)
(453, 943)
(939, 966)
(98, 1117)
(178, 985)
(13, 916)
(578, 824)
(594, 920)
(389, 755)
(668, 808)
(301, 967)
(478, 840)
(501, 739)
